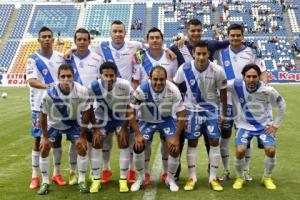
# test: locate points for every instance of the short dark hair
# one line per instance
(109, 65)
(201, 43)
(118, 22)
(251, 66)
(44, 29)
(82, 30)
(194, 22)
(154, 29)
(158, 67)
(65, 67)
(235, 27)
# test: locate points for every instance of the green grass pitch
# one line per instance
(16, 144)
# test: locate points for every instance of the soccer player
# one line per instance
(154, 55)
(157, 100)
(86, 66)
(233, 59)
(205, 81)
(252, 100)
(111, 99)
(61, 110)
(185, 54)
(41, 73)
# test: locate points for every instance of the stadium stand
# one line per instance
(138, 21)
(5, 12)
(60, 18)
(20, 26)
(8, 53)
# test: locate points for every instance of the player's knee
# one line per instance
(240, 152)
(45, 152)
(193, 143)
(214, 142)
(138, 150)
(81, 150)
(226, 133)
(270, 152)
(174, 153)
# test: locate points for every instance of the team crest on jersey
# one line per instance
(167, 131)
(197, 134)
(192, 82)
(45, 71)
(210, 128)
(227, 63)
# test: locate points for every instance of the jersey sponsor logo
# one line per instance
(192, 82)
(92, 65)
(45, 71)
(227, 63)
(209, 77)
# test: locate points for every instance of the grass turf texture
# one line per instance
(15, 160)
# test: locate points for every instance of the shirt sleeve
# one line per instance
(259, 62)
(178, 105)
(31, 69)
(137, 72)
(174, 68)
(221, 79)
(85, 100)
(277, 100)
(179, 76)
(230, 86)
(46, 103)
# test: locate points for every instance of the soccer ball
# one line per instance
(4, 95)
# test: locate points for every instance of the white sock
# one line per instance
(124, 162)
(270, 163)
(82, 162)
(44, 166)
(147, 156)
(72, 157)
(139, 163)
(131, 143)
(57, 152)
(191, 156)
(214, 156)
(224, 149)
(96, 155)
(164, 155)
(35, 158)
(106, 150)
(239, 167)
(173, 164)
(248, 156)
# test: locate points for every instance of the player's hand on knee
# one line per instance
(270, 129)
(173, 145)
(44, 147)
(123, 137)
(81, 146)
(139, 144)
(97, 141)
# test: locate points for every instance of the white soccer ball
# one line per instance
(4, 95)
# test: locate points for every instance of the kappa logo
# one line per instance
(167, 131)
(45, 71)
(227, 63)
(244, 140)
(197, 134)
(192, 82)
(146, 137)
(210, 128)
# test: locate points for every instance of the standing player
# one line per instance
(61, 109)
(205, 81)
(158, 100)
(154, 55)
(41, 73)
(111, 99)
(233, 59)
(252, 100)
(86, 66)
